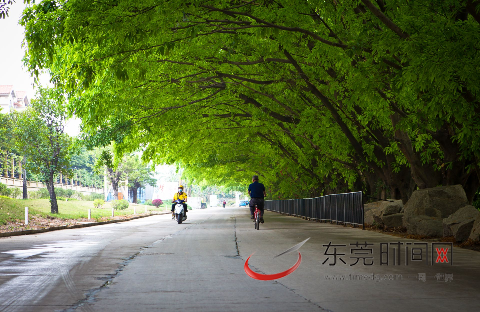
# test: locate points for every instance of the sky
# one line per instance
(12, 70)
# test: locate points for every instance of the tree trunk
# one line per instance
(114, 179)
(134, 191)
(25, 192)
(115, 189)
(51, 191)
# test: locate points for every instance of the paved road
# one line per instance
(154, 264)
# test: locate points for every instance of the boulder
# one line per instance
(377, 211)
(460, 223)
(425, 226)
(392, 207)
(371, 211)
(475, 233)
(425, 210)
(393, 220)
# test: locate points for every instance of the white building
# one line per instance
(11, 100)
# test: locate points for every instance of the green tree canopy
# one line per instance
(39, 136)
(139, 174)
(84, 165)
(307, 94)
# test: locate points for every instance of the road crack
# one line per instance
(90, 295)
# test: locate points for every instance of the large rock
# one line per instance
(371, 211)
(475, 233)
(378, 211)
(460, 223)
(425, 210)
(425, 226)
(393, 220)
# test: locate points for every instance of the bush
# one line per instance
(40, 194)
(94, 196)
(4, 190)
(98, 203)
(157, 202)
(148, 202)
(120, 204)
(476, 204)
(64, 193)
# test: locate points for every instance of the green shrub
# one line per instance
(98, 203)
(148, 202)
(476, 204)
(65, 193)
(120, 204)
(4, 190)
(16, 192)
(94, 196)
(40, 194)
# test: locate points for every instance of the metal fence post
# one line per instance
(363, 211)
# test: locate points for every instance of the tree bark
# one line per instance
(134, 191)
(114, 179)
(51, 191)
(24, 188)
(24, 176)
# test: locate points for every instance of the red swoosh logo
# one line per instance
(269, 277)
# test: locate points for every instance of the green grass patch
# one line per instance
(14, 209)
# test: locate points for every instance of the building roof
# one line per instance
(6, 89)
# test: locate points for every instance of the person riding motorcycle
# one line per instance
(182, 196)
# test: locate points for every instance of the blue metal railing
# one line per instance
(345, 208)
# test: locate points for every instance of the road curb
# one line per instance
(75, 226)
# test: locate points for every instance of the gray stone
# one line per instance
(371, 211)
(460, 223)
(475, 232)
(425, 226)
(393, 220)
(376, 211)
(390, 208)
(430, 207)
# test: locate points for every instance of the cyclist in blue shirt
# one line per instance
(257, 194)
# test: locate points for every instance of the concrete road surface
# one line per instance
(154, 264)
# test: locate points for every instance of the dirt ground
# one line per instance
(402, 232)
(40, 223)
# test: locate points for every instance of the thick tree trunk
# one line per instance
(114, 179)
(134, 190)
(53, 197)
(424, 175)
(115, 189)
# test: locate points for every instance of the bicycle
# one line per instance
(256, 215)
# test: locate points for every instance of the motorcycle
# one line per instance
(179, 214)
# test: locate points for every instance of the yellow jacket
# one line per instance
(182, 196)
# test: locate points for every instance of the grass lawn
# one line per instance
(12, 210)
